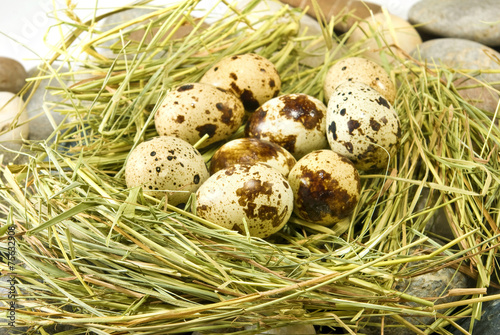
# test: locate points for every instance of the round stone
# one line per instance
(468, 19)
(460, 53)
(428, 285)
(466, 55)
(382, 36)
(12, 75)
(41, 101)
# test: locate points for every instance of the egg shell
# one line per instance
(256, 193)
(166, 165)
(251, 77)
(326, 187)
(297, 122)
(250, 151)
(362, 125)
(361, 70)
(193, 110)
(381, 32)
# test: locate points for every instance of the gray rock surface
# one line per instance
(466, 55)
(42, 102)
(469, 19)
(489, 324)
(429, 285)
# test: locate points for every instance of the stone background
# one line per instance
(27, 21)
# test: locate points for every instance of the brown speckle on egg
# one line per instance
(251, 77)
(154, 166)
(256, 193)
(297, 122)
(201, 109)
(365, 127)
(358, 69)
(251, 151)
(326, 187)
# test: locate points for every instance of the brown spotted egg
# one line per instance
(362, 70)
(192, 111)
(251, 77)
(326, 187)
(166, 165)
(297, 122)
(362, 125)
(254, 197)
(250, 151)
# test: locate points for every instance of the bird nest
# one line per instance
(96, 257)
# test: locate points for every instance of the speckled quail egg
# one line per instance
(193, 110)
(326, 187)
(362, 70)
(251, 77)
(250, 151)
(297, 122)
(166, 165)
(362, 125)
(256, 194)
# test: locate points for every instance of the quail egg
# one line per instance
(362, 125)
(361, 70)
(192, 111)
(250, 151)
(166, 165)
(247, 198)
(251, 77)
(297, 122)
(326, 187)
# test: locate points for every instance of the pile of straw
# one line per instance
(100, 258)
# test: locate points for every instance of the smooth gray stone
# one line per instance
(469, 19)
(461, 54)
(434, 284)
(40, 126)
(466, 55)
(489, 324)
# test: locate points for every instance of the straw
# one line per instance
(102, 258)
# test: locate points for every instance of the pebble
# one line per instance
(40, 125)
(379, 33)
(136, 36)
(437, 223)
(12, 75)
(288, 330)
(468, 19)
(338, 9)
(489, 324)
(12, 140)
(433, 284)
(465, 54)
(114, 21)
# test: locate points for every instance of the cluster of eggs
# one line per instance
(298, 154)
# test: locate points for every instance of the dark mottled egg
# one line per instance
(362, 125)
(251, 77)
(326, 187)
(297, 122)
(254, 197)
(362, 70)
(250, 151)
(166, 165)
(193, 110)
